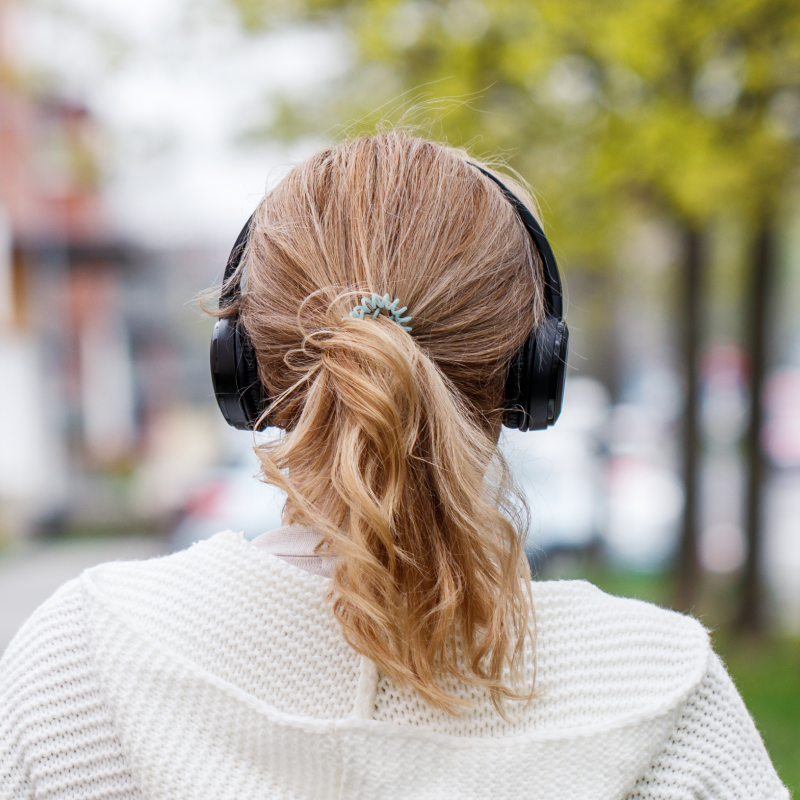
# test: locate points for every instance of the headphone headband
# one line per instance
(553, 295)
(231, 291)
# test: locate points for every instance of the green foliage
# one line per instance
(691, 108)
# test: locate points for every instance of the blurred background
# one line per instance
(663, 143)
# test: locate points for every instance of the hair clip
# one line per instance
(372, 306)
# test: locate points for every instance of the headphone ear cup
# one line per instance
(234, 373)
(559, 373)
(251, 394)
(517, 388)
(538, 399)
(223, 371)
(535, 384)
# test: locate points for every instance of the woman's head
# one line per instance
(390, 444)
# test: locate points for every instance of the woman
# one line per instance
(387, 641)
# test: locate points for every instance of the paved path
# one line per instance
(28, 578)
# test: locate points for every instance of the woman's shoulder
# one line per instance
(57, 629)
(50, 694)
(53, 627)
(579, 606)
(599, 655)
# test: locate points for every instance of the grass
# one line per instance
(766, 670)
(767, 674)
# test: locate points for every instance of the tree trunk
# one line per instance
(688, 564)
(751, 612)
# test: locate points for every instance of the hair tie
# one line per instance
(372, 306)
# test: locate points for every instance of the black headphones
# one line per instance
(534, 387)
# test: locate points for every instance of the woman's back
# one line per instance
(220, 672)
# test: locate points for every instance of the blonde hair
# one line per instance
(390, 443)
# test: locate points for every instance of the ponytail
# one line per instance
(389, 464)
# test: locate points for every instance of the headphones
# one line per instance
(534, 389)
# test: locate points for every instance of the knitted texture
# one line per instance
(715, 751)
(219, 672)
(57, 737)
(598, 658)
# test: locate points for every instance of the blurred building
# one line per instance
(67, 401)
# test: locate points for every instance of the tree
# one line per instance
(715, 133)
(690, 108)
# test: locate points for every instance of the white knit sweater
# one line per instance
(219, 672)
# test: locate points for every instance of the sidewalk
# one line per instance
(28, 578)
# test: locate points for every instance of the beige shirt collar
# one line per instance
(296, 544)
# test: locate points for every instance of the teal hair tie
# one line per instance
(372, 306)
